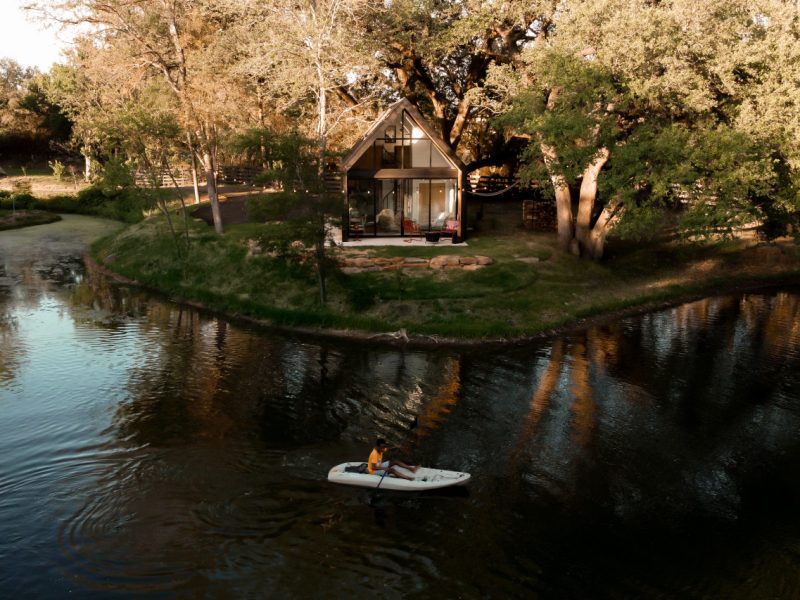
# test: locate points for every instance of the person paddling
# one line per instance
(377, 466)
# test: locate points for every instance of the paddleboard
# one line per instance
(424, 478)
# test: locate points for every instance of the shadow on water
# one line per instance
(151, 450)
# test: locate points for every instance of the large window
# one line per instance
(402, 145)
(430, 203)
(400, 206)
(374, 207)
(361, 207)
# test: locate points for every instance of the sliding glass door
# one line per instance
(388, 207)
(430, 203)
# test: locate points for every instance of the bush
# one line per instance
(62, 203)
(127, 206)
(22, 186)
(58, 169)
(116, 177)
(261, 208)
(92, 196)
(19, 201)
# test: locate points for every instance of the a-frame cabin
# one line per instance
(402, 179)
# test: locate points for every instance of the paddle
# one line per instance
(375, 495)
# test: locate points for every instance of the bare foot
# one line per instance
(414, 468)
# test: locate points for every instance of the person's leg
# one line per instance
(397, 473)
(412, 468)
(392, 472)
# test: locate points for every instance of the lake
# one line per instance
(150, 450)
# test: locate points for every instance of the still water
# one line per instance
(148, 450)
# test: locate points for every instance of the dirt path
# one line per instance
(233, 210)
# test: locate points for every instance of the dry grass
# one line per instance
(43, 186)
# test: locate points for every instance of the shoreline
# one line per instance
(401, 338)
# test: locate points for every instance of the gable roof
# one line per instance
(391, 113)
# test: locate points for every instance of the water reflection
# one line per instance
(149, 449)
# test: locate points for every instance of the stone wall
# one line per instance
(363, 263)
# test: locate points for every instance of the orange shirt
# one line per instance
(375, 457)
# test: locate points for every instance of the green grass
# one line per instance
(515, 296)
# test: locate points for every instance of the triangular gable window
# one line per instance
(402, 145)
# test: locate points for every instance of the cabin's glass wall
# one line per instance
(361, 207)
(431, 203)
(389, 214)
(387, 207)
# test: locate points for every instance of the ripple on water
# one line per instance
(129, 531)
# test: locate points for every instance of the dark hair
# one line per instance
(380, 442)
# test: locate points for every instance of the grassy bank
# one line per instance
(529, 288)
(25, 218)
(124, 205)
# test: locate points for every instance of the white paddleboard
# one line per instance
(424, 478)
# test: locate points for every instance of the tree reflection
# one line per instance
(689, 393)
(203, 378)
(11, 350)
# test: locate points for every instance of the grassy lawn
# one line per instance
(530, 287)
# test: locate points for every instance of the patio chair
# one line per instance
(410, 226)
(450, 228)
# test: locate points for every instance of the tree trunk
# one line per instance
(587, 197)
(195, 184)
(597, 238)
(211, 188)
(323, 290)
(262, 144)
(87, 166)
(564, 219)
(322, 119)
(566, 229)
(457, 128)
(183, 205)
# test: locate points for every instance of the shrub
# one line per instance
(127, 206)
(115, 178)
(61, 203)
(92, 196)
(58, 169)
(21, 186)
(19, 201)
(261, 208)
